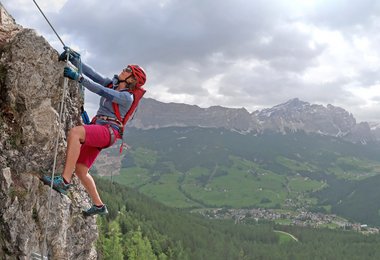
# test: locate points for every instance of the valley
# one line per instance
(197, 168)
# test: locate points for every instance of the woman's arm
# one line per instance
(90, 72)
(120, 97)
(95, 76)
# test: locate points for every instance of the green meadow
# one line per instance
(242, 184)
(201, 168)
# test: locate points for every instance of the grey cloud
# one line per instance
(184, 44)
(169, 34)
(343, 14)
(369, 77)
(369, 114)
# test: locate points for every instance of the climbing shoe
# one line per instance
(58, 183)
(94, 210)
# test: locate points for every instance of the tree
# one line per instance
(100, 244)
(138, 247)
(113, 249)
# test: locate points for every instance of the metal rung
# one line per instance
(36, 256)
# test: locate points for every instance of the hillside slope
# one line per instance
(141, 228)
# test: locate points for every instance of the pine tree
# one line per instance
(113, 244)
(100, 243)
(138, 247)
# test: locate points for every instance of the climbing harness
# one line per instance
(137, 93)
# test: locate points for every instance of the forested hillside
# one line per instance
(141, 228)
(203, 168)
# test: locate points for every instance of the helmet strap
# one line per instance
(125, 80)
(128, 85)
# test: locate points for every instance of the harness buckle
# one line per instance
(110, 119)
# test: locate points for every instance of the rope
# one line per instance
(49, 23)
(65, 82)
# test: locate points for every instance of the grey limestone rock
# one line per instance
(31, 81)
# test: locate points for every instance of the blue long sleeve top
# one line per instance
(97, 84)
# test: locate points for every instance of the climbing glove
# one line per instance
(73, 56)
(71, 74)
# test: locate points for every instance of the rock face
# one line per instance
(298, 115)
(291, 116)
(155, 114)
(31, 90)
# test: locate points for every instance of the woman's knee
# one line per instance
(81, 170)
(77, 133)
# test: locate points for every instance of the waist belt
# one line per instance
(110, 119)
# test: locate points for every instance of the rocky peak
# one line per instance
(8, 25)
(295, 115)
(292, 106)
(31, 91)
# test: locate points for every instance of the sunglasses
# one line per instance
(128, 69)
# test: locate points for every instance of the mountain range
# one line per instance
(292, 116)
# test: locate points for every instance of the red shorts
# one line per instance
(97, 138)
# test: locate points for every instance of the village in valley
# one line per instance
(284, 217)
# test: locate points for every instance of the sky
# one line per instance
(232, 53)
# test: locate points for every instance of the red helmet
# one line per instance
(139, 74)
